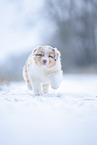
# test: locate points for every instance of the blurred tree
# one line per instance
(76, 23)
(71, 26)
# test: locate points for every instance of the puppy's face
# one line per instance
(46, 56)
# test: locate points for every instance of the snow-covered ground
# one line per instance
(67, 116)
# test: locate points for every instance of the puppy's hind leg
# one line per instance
(26, 78)
(45, 88)
(29, 85)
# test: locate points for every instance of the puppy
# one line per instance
(43, 68)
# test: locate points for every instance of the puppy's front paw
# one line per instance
(38, 93)
(55, 85)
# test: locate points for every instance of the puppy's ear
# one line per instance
(36, 49)
(57, 54)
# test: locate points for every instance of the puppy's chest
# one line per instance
(39, 73)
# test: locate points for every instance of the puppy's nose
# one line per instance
(44, 61)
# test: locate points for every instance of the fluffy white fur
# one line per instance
(41, 72)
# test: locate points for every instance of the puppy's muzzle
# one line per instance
(44, 61)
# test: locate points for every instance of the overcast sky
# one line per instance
(19, 27)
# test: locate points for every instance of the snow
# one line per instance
(67, 116)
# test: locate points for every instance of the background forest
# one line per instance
(71, 26)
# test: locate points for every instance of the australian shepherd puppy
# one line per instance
(43, 68)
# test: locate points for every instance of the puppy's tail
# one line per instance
(26, 78)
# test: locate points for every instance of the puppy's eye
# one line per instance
(39, 55)
(50, 56)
